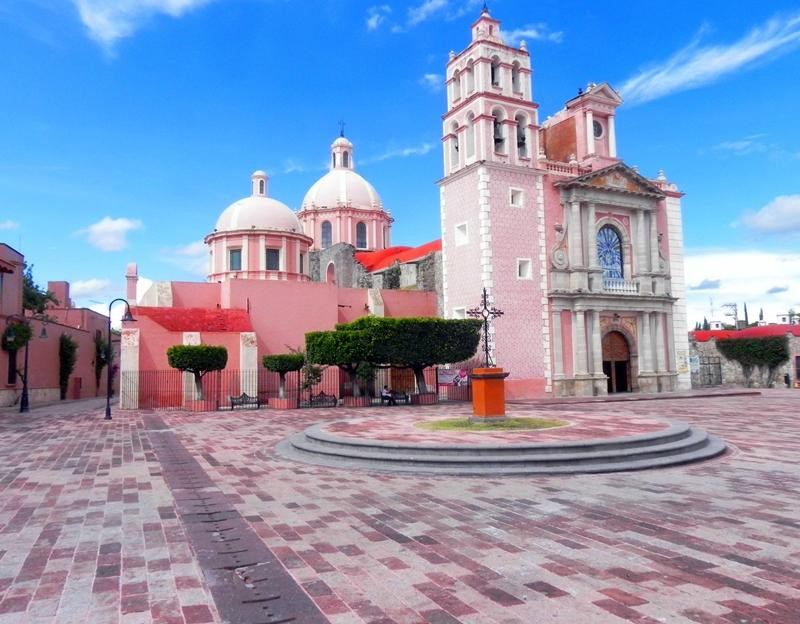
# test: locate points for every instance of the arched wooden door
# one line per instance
(617, 362)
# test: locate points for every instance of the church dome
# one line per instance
(342, 187)
(258, 211)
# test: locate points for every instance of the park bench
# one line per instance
(322, 400)
(244, 399)
(400, 397)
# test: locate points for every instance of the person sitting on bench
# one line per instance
(388, 395)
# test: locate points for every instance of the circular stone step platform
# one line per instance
(672, 443)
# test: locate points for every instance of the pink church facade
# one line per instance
(582, 253)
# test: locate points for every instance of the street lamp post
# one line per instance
(24, 405)
(126, 317)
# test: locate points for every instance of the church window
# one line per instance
(495, 72)
(461, 234)
(597, 128)
(456, 86)
(302, 263)
(345, 159)
(609, 252)
(522, 138)
(273, 259)
(361, 235)
(515, 77)
(327, 235)
(234, 259)
(498, 132)
(333, 161)
(470, 74)
(454, 158)
(515, 197)
(524, 270)
(261, 187)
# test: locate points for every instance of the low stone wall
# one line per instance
(732, 372)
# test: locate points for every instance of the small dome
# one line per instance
(342, 188)
(258, 212)
(341, 142)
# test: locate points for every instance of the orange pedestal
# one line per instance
(488, 394)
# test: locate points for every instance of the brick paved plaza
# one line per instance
(92, 530)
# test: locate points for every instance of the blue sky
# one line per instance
(130, 125)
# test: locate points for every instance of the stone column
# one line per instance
(579, 343)
(262, 252)
(612, 137)
(248, 363)
(558, 353)
(641, 244)
(245, 256)
(645, 344)
(653, 242)
(575, 238)
(658, 323)
(597, 343)
(591, 236)
(129, 369)
(589, 132)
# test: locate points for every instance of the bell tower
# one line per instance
(492, 202)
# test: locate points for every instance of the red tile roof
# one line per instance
(377, 260)
(704, 335)
(197, 319)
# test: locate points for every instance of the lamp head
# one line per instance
(128, 317)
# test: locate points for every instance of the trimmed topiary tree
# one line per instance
(766, 352)
(283, 363)
(415, 343)
(198, 360)
(352, 351)
(418, 343)
(67, 356)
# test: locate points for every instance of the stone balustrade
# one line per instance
(620, 286)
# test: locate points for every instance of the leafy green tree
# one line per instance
(198, 360)
(706, 324)
(349, 350)
(34, 298)
(67, 356)
(418, 343)
(761, 314)
(283, 363)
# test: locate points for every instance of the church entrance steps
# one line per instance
(674, 443)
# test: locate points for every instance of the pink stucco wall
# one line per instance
(195, 294)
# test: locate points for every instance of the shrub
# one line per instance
(67, 355)
(769, 352)
(21, 333)
(198, 360)
(283, 363)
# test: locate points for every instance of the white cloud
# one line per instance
(532, 32)
(110, 234)
(434, 82)
(89, 288)
(426, 10)
(402, 152)
(110, 20)
(696, 65)
(8, 224)
(780, 216)
(742, 147)
(376, 15)
(192, 258)
(745, 277)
